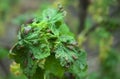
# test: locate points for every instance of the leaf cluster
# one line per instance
(47, 49)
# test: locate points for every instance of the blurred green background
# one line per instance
(96, 24)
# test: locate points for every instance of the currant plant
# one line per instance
(46, 49)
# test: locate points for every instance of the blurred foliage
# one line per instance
(107, 54)
(99, 9)
(105, 12)
(6, 6)
(3, 53)
(103, 37)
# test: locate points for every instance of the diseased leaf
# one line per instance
(65, 55)
(79, 67)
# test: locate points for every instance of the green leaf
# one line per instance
(39, 74)
(54, 67)
(41, 51)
